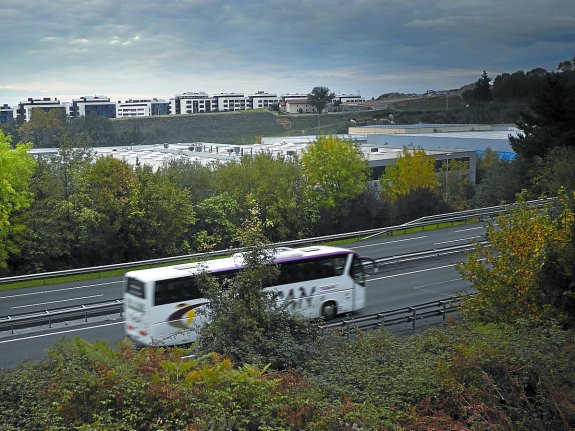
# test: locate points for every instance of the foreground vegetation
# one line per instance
(454, 378)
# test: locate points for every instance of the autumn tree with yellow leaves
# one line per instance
(527, 271)
(413, 170)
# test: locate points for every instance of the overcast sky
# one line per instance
(140, 48)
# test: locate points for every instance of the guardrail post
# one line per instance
(49, 319)
(413, 316)
(381, 320)
(85, 313)
(443, 310)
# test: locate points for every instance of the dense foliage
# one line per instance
(246, 323)
(453, 378)
(527, 271)
(16, 168)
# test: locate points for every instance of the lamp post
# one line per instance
(447, 176)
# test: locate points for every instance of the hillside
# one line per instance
(231, 128)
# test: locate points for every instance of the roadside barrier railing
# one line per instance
(406, 316)
(84, 312)
(59, 315)
(480, 213)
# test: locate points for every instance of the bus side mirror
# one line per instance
(369, 266)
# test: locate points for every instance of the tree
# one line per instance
(162, 217)
(52, 218)
(105, 204)
(45, 128)
(16, 168)
(246, 322)
(218, 223)
(456, 184)
(418, 202)
(281, 195)
(320, 97)
(526, 271)
(550, 121)
(501, 182)
(481, 91)
(414, 169)
(554, 171)
(566, 65)
(334, 169)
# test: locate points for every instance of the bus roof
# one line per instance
(283, 254)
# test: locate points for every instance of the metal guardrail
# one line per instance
(406, 315)
(49, 317)
(98, 309)
(367, 234)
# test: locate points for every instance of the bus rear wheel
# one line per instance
(328, 311)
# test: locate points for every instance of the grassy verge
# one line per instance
(122, 271)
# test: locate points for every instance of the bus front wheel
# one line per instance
(328, 311)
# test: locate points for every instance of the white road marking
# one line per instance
(388, 242)
(58, 290)
(435, 284)
(458, 240)
(421, 287)
(412, 272)
(55, 302)
(471, 228)
(60, 332)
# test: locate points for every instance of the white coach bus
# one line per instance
(161, 304)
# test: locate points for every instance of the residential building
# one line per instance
(93, 105)
(192, 103)
(263, 100)
(6, 114)
(348, 98)
(231, 102)
(297, 106)
(25, 108)
(142, 108)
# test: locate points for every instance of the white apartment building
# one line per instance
(141, 108)
(263, 100)
(192, 103)
(231, 102)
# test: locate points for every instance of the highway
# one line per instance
(395, 286)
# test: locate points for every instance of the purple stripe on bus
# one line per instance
(290, 259)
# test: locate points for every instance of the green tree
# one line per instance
(45, 128)
(418, 202)
(526, 271)
(52, 221)
(247, 323)
(105, 205)
(481, 91)
(218, 222)
(334, 169)
(281, 195)
(550, 121)
(320, 97)
(414, 169)
(554, 171)
(16, 169)
(163, 214)
(456, 184)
